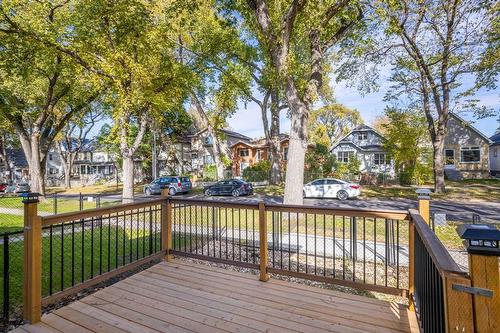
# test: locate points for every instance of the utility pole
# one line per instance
(154, 168)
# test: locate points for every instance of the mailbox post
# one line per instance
(482, 243)
(424, 197)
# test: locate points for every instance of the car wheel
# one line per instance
(171, 191)
(208, 193)
(235, 193)
(342, 195)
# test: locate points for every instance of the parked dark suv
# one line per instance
(175, 184)
(234, 187)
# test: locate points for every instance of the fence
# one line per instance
(80, 249)
(394, 252)
(356, 248)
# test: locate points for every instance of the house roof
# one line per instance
(368, 148)
(469, 125)
(225, 131)
(16, 156)
(260, 142)
(495, 139)
(360, 128)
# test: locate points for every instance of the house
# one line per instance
(18, 166)
(194, 151)
(366, 145)
(90, 165)
(248, 153)
(495, 155)
(466, 150)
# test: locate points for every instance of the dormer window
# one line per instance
(362, 136)
(209, 140)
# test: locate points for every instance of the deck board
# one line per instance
(183, 297)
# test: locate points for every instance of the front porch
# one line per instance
(181, 296)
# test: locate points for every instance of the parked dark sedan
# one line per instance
(234, 187)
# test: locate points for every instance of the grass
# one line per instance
(78, 256)
(106, 188)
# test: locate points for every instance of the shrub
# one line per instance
(257, 172)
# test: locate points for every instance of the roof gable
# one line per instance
(468, 124)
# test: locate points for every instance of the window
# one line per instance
(259, 155)
(209, 140)
(382, 159)
(495, 152)
(449, 156)
(244, 152)
(51, 171)
(209, 159)
(50, 157)
(333, 182)
(318, 182)
(470, 154)
(285, 154)
(362, 135)
(343, 156)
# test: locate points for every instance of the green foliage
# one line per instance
(408, 143)
(257, 172)
(330, 123)
(320, 161)
(210, 172)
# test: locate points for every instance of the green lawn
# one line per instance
(78, 256)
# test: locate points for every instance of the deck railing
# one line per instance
(439, 307)
(394, 252)
(366, 249)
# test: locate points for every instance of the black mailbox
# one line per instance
(480, 239)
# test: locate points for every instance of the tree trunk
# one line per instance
(36, 169)
(438, 161)
(297, 148)
(128, 179)
(67, 177)
(274, 141)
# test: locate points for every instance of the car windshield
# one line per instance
(184, 179)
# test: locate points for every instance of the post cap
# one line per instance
(423, 193)
(480, 238)
(30, 197)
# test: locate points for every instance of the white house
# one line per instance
(495, 155)
(366, 144)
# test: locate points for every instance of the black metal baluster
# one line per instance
(246, 235)
(273, 233)
(124, 253)
(131, 240)
(72, 253)
(397, 254)
(6, 280)
(324, 245)
(190, 230)
(354, 242)
(307, 239)
(298, 244)
(281, 239)
(315, 241)
(50, 258)
(253, 232)
(364, 250)
(109, 242)
(334, 245)
(387, 246)
(289, 244)
(151, 230)
(83, 250)
(116, 240)
(375, 251)
(343, 247)
(62, 256)
(100, 245)
(239, 233)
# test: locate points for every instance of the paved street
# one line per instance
(455, 210)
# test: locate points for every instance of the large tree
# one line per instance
(40, 90)
(127, 46)
(298, 36)
(432, 47)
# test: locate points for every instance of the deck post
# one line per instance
(484, 274)
(411, 264)
(32, 284)
(424, 197)
(264, 276)
(482, 243)
(166, 225)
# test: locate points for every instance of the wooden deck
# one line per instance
(186, 297)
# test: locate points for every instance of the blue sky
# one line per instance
(248, 120)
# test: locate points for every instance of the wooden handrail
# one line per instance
(73, 216)
(355, 212)
(440, 256)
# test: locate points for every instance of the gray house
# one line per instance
(365, 144)
(466, 150)
(495, 155)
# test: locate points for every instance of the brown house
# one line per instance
(246, 154)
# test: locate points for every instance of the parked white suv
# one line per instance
(331, 188)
